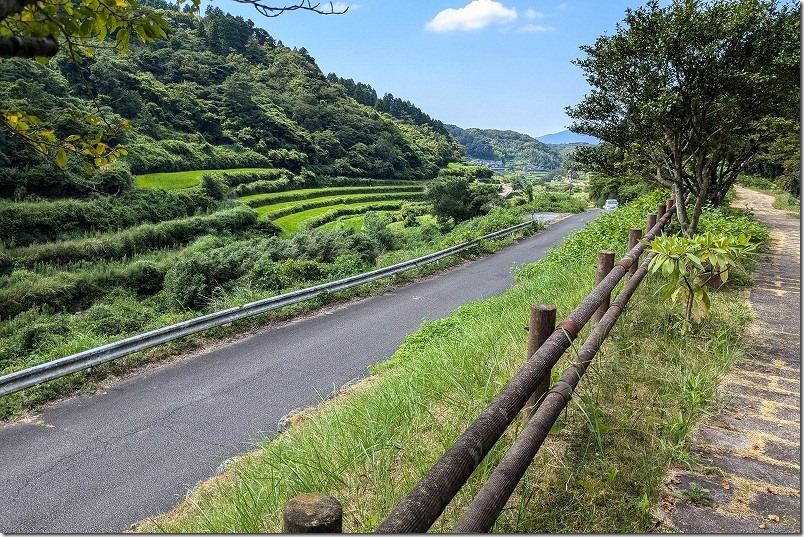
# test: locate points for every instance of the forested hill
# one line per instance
(218, 93)
(509, 146)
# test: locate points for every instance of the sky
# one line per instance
(473, 63)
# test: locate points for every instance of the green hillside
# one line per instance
(219, 93)
(513, 148)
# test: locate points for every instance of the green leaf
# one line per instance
(61, 158)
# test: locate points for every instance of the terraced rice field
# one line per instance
(293, 222)
(294, 196)
(354, 222)
(319, 206)
(290, 209)
(178, 180)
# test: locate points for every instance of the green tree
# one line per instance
(459, 197)
(687, 93)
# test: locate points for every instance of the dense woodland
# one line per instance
(217, 93)
(508, 146)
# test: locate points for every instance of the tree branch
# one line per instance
(27, 47)
(270, 11)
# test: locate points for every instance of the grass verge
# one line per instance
(601, 469)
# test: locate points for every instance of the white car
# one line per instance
(610, 205)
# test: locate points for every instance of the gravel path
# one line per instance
(755, 441)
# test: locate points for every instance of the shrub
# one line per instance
(145, 278)
(214, 186)
(265, 275)
(296, 272)
(138, 239)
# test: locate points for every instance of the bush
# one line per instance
(22, 223)
(265, 275)
(145, 278)
(297, 272)
(191, 281)
(214, 186)
(139, 239)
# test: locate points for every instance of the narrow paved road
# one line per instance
(100, 463)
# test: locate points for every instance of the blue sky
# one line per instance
(473, 63)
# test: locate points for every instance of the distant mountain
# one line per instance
(513, 148)
(567, 137)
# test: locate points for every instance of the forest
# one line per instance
(217, 93)
(508, 146)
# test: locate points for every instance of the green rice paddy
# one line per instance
(179, 180)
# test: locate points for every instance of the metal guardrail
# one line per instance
(32, 376)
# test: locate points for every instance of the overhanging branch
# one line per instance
(271, 11)
(27, 47)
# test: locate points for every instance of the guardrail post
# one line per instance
(633, 238)
(605, 262)
(312, 513)
(542, 324)
(650, 222)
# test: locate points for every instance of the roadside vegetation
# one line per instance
(79, 273)
(603, 465)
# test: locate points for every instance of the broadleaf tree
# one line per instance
(689, 94)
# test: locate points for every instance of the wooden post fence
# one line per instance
(542, 325)
(605, 262)
(634, 235)
(312, 513)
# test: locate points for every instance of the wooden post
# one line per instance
(605, 262)
(633, 238)
(542, 324)
(660, 210)
(650, 222)
(670, 203)
(313, 513)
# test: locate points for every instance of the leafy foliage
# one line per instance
(459, 198)
(692, 264)
(216, 93)
(688, 94)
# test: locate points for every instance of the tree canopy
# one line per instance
(690, 94)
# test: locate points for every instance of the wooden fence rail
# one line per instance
(420, 508)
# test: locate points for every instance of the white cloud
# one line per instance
(474, 16)
(533, 14)
(535, 28)
(339, 7)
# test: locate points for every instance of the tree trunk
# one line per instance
(681, 207)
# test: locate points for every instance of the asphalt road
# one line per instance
(99, 463)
